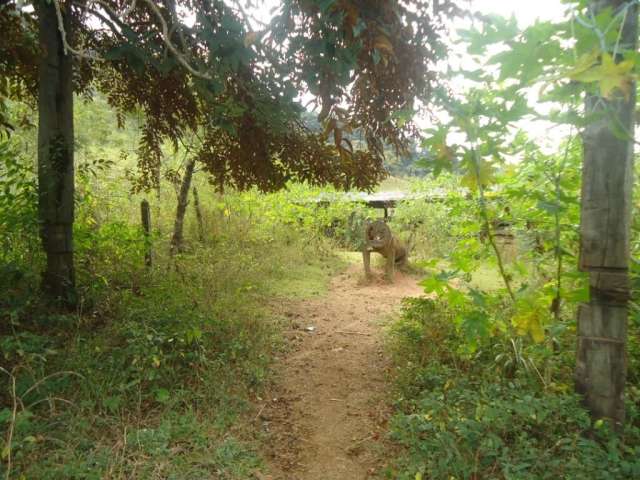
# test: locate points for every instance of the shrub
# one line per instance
(19, 242)
(460, 417)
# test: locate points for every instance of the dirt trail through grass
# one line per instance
(325, 419)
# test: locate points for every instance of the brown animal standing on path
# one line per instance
(378, 238)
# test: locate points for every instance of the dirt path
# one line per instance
(324, 420)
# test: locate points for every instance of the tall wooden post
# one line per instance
(196, 205)
(607, 181)
(145, 214)
(55, 153)
(183, 200)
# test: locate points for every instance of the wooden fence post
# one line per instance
(606, 201)
(196, 205)
(183, 200)
(145, 213)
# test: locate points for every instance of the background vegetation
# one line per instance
(150, 377)
(154, 374)
(140, 382)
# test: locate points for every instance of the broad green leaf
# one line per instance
(528, 323)
(494, 29)
(532, 313)
(475, 324)
(585, 63)
(432, 284)
(610, 76)
(483, 174)
(5, 415)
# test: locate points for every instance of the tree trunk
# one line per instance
(158, 177)
(145, 216)
(607, 181)
(55, 154)
(196, 205)
(183, 200)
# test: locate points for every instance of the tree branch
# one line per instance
(164, 34)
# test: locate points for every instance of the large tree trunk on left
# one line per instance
(183, 200)
(55, 154)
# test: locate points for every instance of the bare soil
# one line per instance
(325, 417)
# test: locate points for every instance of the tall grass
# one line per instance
(154, 375)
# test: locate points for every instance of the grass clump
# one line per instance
(146, 385)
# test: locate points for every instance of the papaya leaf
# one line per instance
(609, 75)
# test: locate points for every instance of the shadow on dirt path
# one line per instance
(325, 418)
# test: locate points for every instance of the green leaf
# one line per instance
(549, 207)
(433, 284)
(5, 415)
(610, 75)
(493, 29)
(478, 296)
(162, 395)
(475, 324)
(482, 174)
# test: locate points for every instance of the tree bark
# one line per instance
(183, 200)
(55, 154)
(145, 216)
(607, 181)
(196, 205)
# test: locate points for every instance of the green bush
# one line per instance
(460, 417)
(18, 208)
(191, 335)
(166, 357)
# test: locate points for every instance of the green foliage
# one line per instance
(18, 207)
(427, 224)
(469, 430)
(19, 243)
(484, 375)
(148, 377)
(460, 418)
(529, 206)
(142, 359)
(318, 214)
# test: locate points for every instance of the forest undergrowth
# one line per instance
(484, 365)
(132, 348)
(154, 374)
(487, 413)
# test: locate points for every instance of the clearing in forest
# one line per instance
(329, 407)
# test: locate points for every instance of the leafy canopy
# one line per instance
(202, 68)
